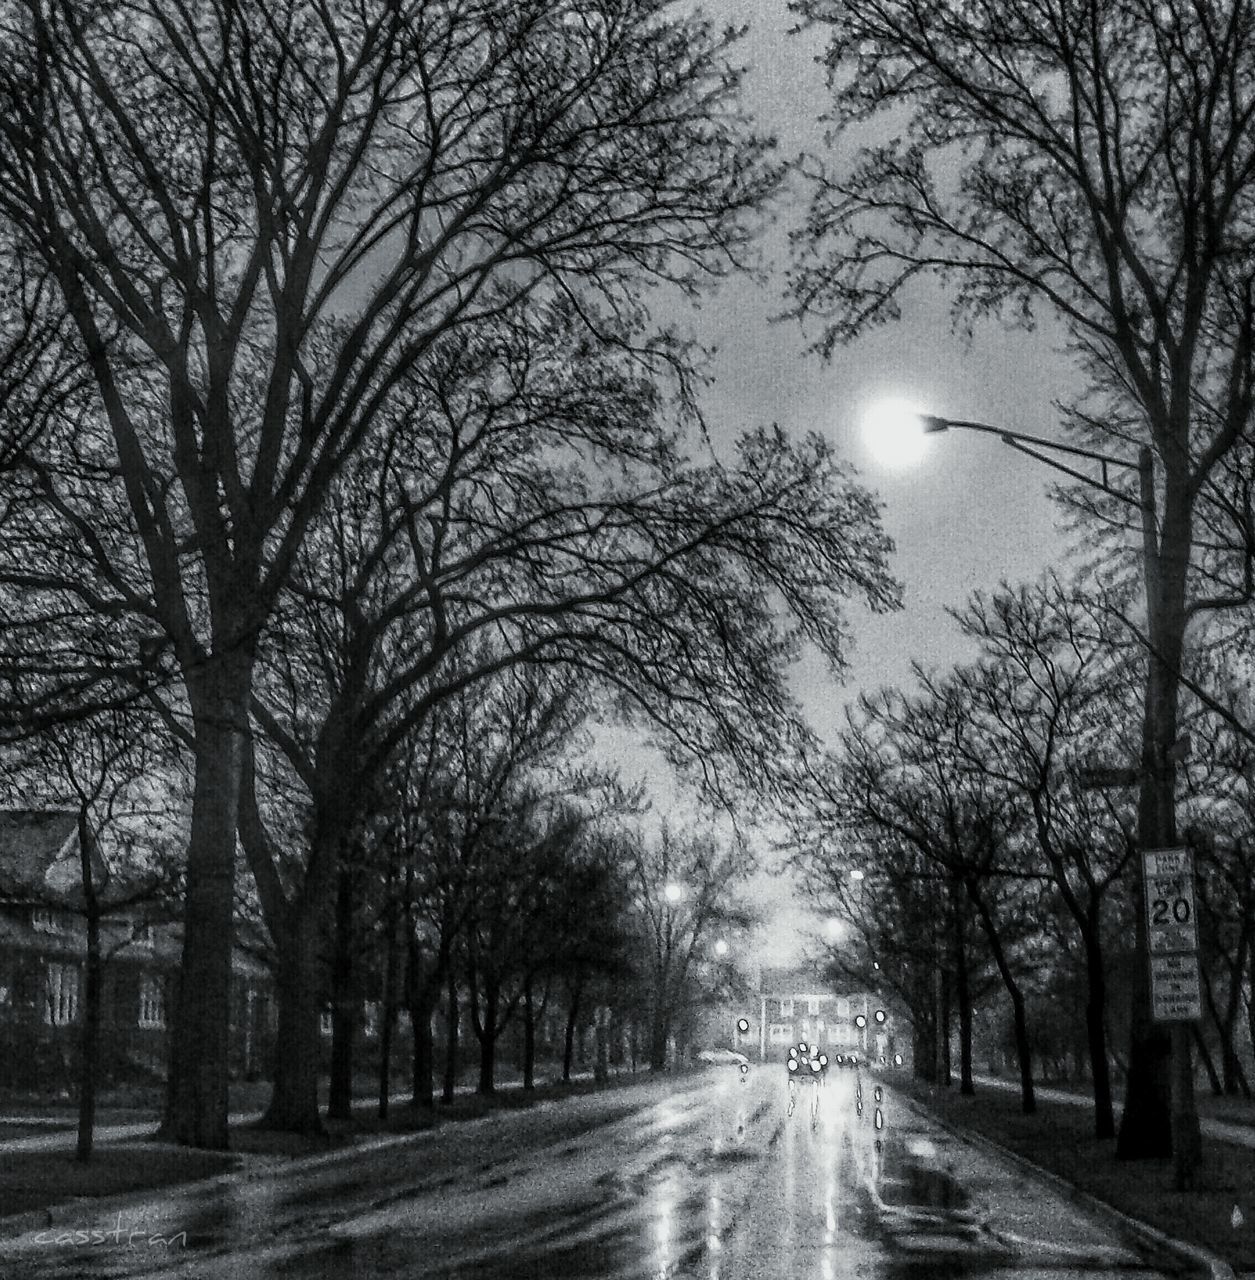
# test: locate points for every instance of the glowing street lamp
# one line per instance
(894, 431)
(721, 948)
(673, 893)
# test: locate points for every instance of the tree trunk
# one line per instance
(89, 1053)
(196, 1086)
(486, 1031)
(658, 1032)
(343, 1004)
(298, 980)
(1096, 1032)
(451, 1040)
(389, 1002)
(1208, 1065)
(388, 1019)
(945, 1013)
(1145, 1131)
(422, 1078)
(1023, 1050)
(529, 1038)
(601, 1069)
(423, 987)
(568, 1047)
(963, 991)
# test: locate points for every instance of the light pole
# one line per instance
(1148, 1086)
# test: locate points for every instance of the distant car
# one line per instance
(723, 1058)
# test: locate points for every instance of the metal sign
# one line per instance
(1174, 988)
(1168, 877)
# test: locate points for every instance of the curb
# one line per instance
(1194, 1256)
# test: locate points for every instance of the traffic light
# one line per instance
(861, 1021)
(880, 1015)
(743, 1025)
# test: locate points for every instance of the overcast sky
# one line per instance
(973, 512)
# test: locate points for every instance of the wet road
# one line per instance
(710, 1177)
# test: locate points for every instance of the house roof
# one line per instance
(39, 855)
(794, 981)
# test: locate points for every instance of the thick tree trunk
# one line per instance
(196, 1088)
(1145, 1131)
(294, 1099)
(424, 995)
(343, 1004)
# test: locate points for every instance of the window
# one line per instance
(843, 1007)
(819, 1025)
(46, 920)
(142, 934)
(806, 1026)
(812, 1005)
(779, 1033)
(324, 1022)
(370, 1017)
(61, 995)
(786, 1007)
(152, 1002)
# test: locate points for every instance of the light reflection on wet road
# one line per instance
(714, 1181)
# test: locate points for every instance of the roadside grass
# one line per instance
(38, 1179)
(1059, 1137)
(31, 1180)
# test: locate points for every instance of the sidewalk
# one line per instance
(1241, 1135)
(1043, 1216)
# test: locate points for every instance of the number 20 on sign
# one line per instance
(1168, 875)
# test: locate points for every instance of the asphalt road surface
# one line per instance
(710, 1176)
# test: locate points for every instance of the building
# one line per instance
(794, 1006)
(43, 950)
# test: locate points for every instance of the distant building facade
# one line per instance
(794, 1006)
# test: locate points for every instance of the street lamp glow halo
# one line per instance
(673, 893)
(894, 431)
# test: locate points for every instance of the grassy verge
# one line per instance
(1059, 1137)
(39, 1179)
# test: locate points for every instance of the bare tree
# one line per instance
(682, 891)
(258, 216)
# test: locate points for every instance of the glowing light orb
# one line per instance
(894, 432)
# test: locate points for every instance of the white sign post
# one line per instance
(1171, 934)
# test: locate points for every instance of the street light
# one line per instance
(721, 948)
(673, 893)
(1156, 818)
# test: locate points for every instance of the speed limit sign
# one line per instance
(1168, 876)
